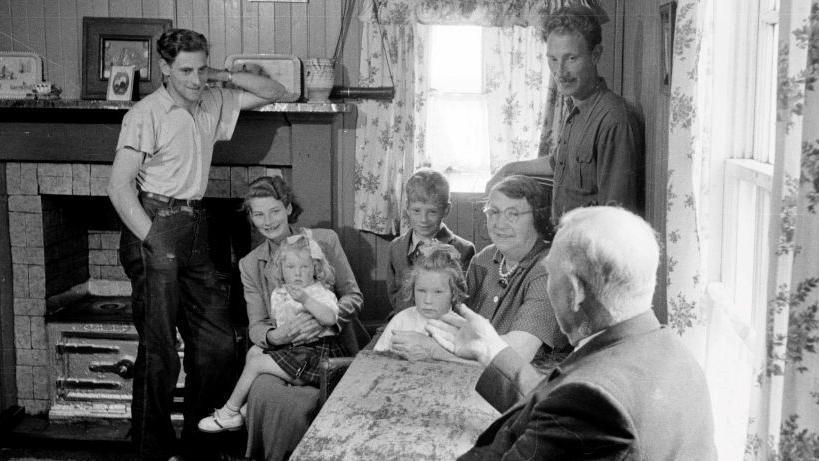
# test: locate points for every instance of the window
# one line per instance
(748, 165)
(457, 138)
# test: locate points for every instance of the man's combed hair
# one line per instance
(577, 19)
(428, 186)
(173, 41)
(441, 260)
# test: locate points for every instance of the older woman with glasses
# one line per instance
(507, 285)
(505, 282)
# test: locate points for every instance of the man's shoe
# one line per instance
(217, 422)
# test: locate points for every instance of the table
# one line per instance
(385, 408)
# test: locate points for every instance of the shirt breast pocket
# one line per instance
(585, 166)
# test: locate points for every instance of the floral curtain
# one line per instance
(386, 132)
(516, 76)
(764, 379)
(784, 422)
(479, 12)
(688, 153)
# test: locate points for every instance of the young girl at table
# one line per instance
(304, 278)
(433, 286)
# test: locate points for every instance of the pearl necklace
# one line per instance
(509, 271)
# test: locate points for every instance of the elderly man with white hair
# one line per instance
(630, 390)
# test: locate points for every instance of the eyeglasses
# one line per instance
(511, 214)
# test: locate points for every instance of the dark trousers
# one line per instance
(174, 286)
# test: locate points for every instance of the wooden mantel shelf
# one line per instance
(79, 104)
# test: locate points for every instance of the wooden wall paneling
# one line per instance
(281, 29)
(250, 27)
(606, 65)
(216, 33)
(184, 14)
(54, 66)
(332, 27)
(466, 217)
(267, 28)
(70, 58)
(36, 27)
(451, 220)
(311, 164)
(19, 26)
(166, 10)
(233, 29)
(481, 235)
(150, 8)
(162, 9)
(299, 32)
(378, 308)
(317, 30)
(125, 9)
(641, 57)
(94, 8)
(359, 246)
(5, 26)
(200, 14)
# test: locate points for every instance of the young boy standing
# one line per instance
(427, 205)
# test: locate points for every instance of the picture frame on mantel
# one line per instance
(111, 42)
(668, 17)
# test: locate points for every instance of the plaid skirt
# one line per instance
(302, 362)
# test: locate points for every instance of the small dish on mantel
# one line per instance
(20, 72)
(285, 69)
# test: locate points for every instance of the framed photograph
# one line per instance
(121, 83)
(20, 73)
(668, 13)
(109, 42)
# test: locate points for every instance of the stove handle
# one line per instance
(86, 348)
(124, 367)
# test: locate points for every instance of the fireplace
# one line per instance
(55, 152)
(75, 340)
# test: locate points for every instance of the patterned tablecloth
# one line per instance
(386, 408)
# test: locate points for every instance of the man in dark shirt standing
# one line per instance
(598, 156)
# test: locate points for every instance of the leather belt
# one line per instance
(172, 202)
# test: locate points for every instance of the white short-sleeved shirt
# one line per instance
(284, 308)
(177, 145)
(409, 319)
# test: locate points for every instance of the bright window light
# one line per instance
(457, 141)
(455, 59)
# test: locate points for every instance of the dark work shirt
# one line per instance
(598, 160)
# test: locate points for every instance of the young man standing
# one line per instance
(599, 151)
(159, 176)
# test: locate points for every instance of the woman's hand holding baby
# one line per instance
(305, 328)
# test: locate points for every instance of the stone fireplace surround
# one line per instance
(52, 254)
